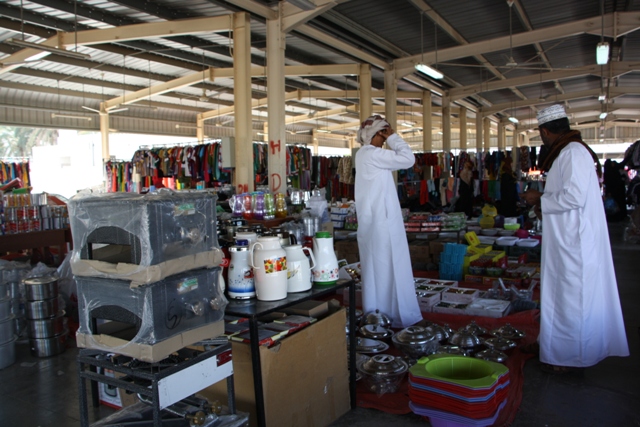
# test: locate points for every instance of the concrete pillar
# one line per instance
(200, 129)
(427, 136)
(244, 178)
(479, 131)
(487, 134)
(391, 97)
(276, 131)
(446, 124)
(462, 116)
(366, 104)
(104, 132)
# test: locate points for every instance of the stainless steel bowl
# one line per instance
(46, 328)
(46, 347)
(5, 307)
(8, 353)
(440, 333)
(415, 342)
(465, 339)
(375, 332)
(383, 373)
(42, 309)
(39, 288)
(376, 318)
(7, 329)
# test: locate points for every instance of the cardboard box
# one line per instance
(305, 376)
(460, 295)
(114, 397)
(150, 352)
(309, 308)
(489, 308)
(450, 308)
(426, 300)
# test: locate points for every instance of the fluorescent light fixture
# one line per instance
(261, 133)
(431, 72)
(117, 110)
(513, 120)
(407, 124)
(439, 133)
(186, 127)
(602, 97)
(51, 49)
(323, 131)
(70, 116)
(603, 116)
(602, 53)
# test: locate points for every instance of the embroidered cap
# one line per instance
(554, 112)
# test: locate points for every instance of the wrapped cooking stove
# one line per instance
(157, 319)
(143, 238)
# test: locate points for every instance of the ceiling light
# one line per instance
(603, 116)
(261, 133)
(51, 49)
(602, 97)
(69, 116)
(431, 72)
(513, 120)
(439, 133)
(602, 53)
(323, 131)
(407, 124)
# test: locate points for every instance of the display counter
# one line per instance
(41, 240)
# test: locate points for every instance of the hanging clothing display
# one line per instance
(10, 170)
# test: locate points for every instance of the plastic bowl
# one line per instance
(511, 226)
(489, 232)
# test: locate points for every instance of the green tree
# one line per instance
(18, 141)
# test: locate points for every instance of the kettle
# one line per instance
(325, 272)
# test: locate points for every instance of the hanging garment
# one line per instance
(387, 276)
(581, 319)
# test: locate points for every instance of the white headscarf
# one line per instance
(369, 128)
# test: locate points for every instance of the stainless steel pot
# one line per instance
(440, 333)
(475, 329)
(415, 342)
(375, 332)
(4, 290)
(376, 318)
(8, 353)
(46, 347)
(5, 307)
(46, 328)
(7, 328)
(43, 309)
(465, 339)
(509, 332)
(492, 355)
(39, 288)
(383, 373)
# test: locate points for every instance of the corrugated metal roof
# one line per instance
(388, 30)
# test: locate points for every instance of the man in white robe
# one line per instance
(386, 271)
(581, 319)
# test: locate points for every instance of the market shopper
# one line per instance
(382, 242)
(581, 319)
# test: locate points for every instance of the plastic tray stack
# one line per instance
(452, 260)
(458, 389)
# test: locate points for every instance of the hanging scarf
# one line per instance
(564, 140)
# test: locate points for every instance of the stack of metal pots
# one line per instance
(12, 275)
(7, 329)
(46, 324)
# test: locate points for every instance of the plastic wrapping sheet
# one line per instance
(160, 318)
(143, 237)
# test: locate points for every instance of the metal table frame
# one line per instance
(87, 359)
(253, 309)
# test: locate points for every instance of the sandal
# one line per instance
(559, 370)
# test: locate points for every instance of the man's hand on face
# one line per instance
(532, 197)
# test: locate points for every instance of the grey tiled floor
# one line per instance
(44, 392)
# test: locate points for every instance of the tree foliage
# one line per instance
(18, 141)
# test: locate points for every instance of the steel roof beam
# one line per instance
(616, 25)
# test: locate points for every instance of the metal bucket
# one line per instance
(6, 329)
(39, 288)
(46, 328)
(43, 309)
(46, 347)
(8, 353)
